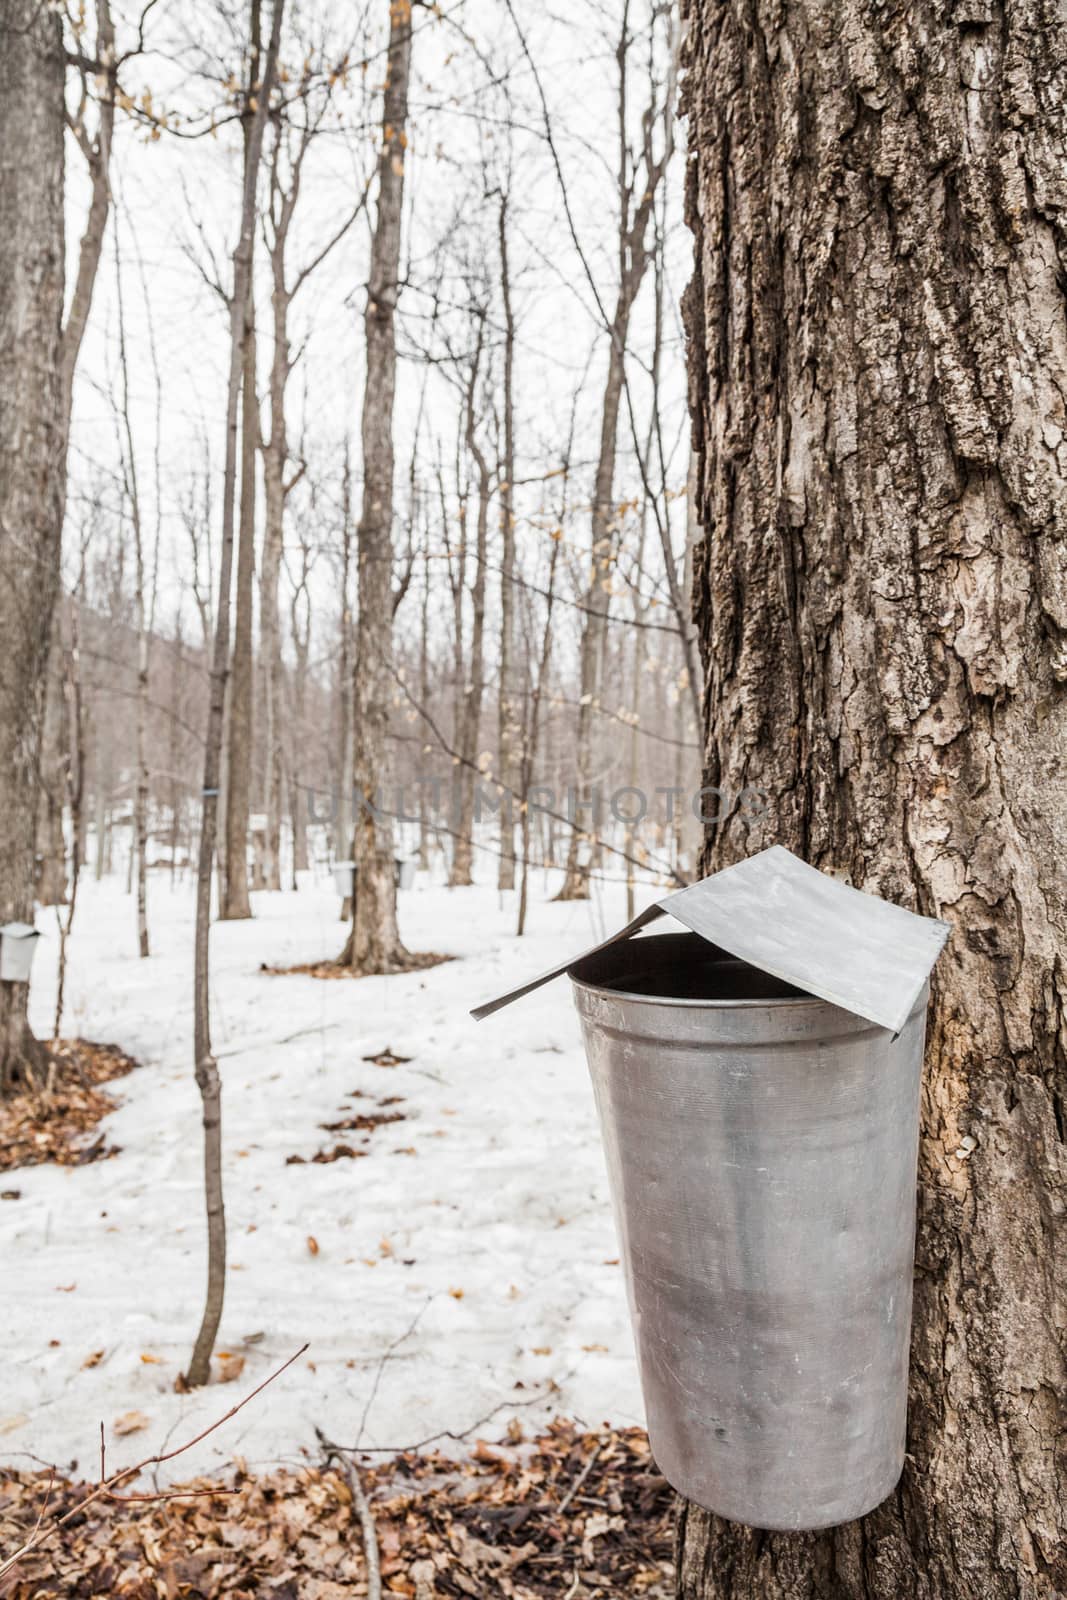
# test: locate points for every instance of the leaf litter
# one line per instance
(570, 1513)
(56, 1123)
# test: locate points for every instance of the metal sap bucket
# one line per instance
(18, 942)
(761, 1146)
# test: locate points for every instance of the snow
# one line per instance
(476, 1279)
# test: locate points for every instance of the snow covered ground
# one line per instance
(473, 1247)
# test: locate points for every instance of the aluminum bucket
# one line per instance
(761, 1146)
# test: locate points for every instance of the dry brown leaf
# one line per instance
(129, 1422)
(313, 1245)
(94, 1360)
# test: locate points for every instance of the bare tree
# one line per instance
(374, 945)
(131, 486)
(639, 174)
(289, 154)
(472, 683)
(207, 1072)
(234, 903)
(510, 730)
(75, 774)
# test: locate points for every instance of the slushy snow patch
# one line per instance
(450, 1287)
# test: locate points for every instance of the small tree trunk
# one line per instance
(235, 902)
(876, 355)
(207, 1072)
(510, 731)
(473, 687)
(75, 792)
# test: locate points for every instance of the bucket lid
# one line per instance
(801, 925)
(19, 930)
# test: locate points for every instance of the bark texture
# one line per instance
(877, 350)
(32, 450)
(375, 942)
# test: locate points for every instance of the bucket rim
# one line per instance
(690, 1003)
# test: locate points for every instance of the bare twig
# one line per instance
(579, 1480)
(105, 1489)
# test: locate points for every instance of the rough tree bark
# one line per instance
(206, 1066)
(38, 357)
(32, 451)
(877, 350)
(374, 945)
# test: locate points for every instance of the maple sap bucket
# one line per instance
(18, 942)
(761, 1146)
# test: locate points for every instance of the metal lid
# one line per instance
(19, 930)
(801, 925)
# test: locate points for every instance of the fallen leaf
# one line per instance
(541, 1350)
(94, 1360)
(313, 1245)
(129, 1422)
(151, 1361)
(230, 1367)
(591, 1347)
(457, 1294)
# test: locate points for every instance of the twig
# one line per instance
(579, 1480)
(446, 1433)
(106, 1487)
(370, 1532)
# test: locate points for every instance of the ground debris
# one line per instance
(501, 1522)
(56, 1123)
(420, 961)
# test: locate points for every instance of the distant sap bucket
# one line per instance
(18, 941)
(761, 1149)
(757, 1082)
(344, 875)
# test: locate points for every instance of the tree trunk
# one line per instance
(235, 903)
(509, 724)
(50, 865)
(32, 451)
(206, 1067)
(473, 686)
(876, 348)
(375, 942)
